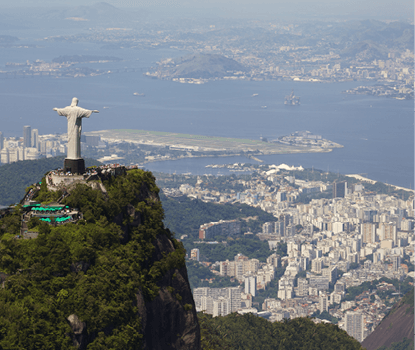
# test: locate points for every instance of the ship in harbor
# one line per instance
(292, 100)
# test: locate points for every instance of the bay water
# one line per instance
(377, 133)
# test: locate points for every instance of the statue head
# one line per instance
(74, 102)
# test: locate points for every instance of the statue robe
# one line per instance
(74, 114)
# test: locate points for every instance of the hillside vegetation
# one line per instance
(15, 177)
(184, 215)
(95, 269)
(249, 332)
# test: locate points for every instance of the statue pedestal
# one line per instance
(75, 166)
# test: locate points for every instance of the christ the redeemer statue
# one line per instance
(73, 162)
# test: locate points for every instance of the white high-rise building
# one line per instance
(31, 153)
(1, 141)
(239, 269)
(35, 139)
(302, 284)
(206, 304)
(13, 155)
(198, 293)
(217, 301)
(354, 325)
(250, 285)
(330, 273)
(234, 294)
(396, 262)
(223, 268)
(22, 153)
(221, 307)
(4, 156)
(368, 232)
(316, 265)
(324, 303)
(194, 254)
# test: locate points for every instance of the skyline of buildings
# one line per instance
(31, 146)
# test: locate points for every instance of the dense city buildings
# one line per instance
(333, 245)
(33, 146)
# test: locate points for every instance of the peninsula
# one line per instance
(201, 146)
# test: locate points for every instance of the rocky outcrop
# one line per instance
(78, 334)
(169, 321)
(396, 326)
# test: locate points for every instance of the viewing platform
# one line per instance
(59, 179)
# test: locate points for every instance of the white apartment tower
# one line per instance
(354, 325)
(250, 285)
(221, 307)
(316, 265)
(4, 156)
(206, 305)
(396, 262)
(35, 139)
(324, 303)
(194, 254)
(234, 294)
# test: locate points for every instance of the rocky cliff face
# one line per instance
(166, 324)
(116, 279)
(396, 326)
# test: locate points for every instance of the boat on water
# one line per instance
(264, 107)
(292, 100)
(254, 95)
(138, 94)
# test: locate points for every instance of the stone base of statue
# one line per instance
(74, 166)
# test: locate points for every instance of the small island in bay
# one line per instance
(197, 69)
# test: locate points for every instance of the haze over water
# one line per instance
(377, 132)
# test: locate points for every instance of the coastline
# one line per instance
(365, 179)
(205, 144)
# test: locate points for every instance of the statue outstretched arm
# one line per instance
(95, 111)
(61, 111)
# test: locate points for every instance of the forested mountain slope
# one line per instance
(115, 279)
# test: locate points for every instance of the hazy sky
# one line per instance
(361, 8)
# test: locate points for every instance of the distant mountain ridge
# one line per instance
(368, 50)
(95, 11)
(100, 12)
